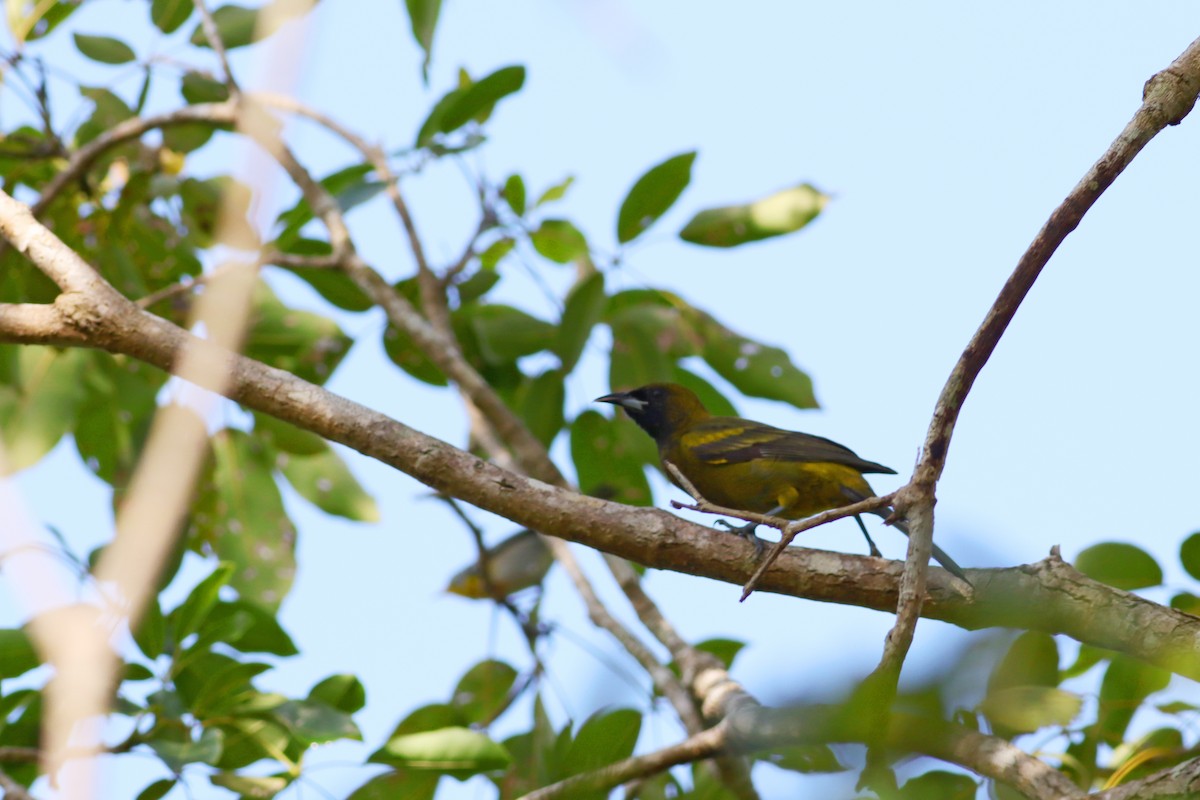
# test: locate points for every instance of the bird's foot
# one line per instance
(746, 532)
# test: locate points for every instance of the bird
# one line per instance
(519, 562)
(751, 466)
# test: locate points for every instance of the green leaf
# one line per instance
(177, 755)
(809, 758)
(504, 333)
(17, 655)
(1031, 660)
(405, 354)
(649, 334)
(1189, 555)
(251, 787)
(239, 513)
(483, 692)
(1024, 709)
(432, 717)
(539, 402)
(196, 87)
(1124, 566)
(481, 282)
(423, 14)
(307, 345)
(120, 401)
(236, 26)
(157, 790)
(168, 15)
(514, 194)
(653, 194)
(939, 785)
(287, 437)
(491, 257)
(582, 310)
(556, 192)
(783, 212)
(326, 482)
(343, 691)
(40, 392)
(610, 457)
(1087, 658)
(558, 240)
(725, 650)
(314, 722)
(151, 632)
(606, 737)
(1186, 602)
(406, 783)
(104, 49)
(460, 752)
(1127, 683)
(194, 610)
(248, 739)
(474, 100)
(259, 631)
(756, 369)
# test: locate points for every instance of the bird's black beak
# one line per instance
(624, 400)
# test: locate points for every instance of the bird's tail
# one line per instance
(939, 554)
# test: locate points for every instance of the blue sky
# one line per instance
(946, 133)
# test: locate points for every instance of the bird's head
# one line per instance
(659, 408)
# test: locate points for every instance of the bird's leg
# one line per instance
(870, 542)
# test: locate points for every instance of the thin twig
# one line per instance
(209, 25)
(12, 789)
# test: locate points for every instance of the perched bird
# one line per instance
(517, 563)
(746, 465)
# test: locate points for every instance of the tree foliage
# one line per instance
(117, 186)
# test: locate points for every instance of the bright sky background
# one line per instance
(946, 132)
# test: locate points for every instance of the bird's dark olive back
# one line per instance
(731, 440)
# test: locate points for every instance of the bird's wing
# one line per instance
(729, 440)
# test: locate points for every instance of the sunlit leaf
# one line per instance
(558, 240)
(1025, 709)
(406, 783)
(325, 481)
(250, 787)
(41, 389)
(460, 752)
(177, 755)
(514, 194)
(783, 212)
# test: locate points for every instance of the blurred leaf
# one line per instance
(783, 212)
(1127, 683)
(260, 631)
(400, 783)
(177, 755)
(196, 87)
(287, 437)
(239, 513)
(192, 612)
(405, 354)
(558, 240)
(539, 402)
(432, 717)
(482, 693)
(939, 785)
(157, 790)
(473, 101)
(334, 285)
(348, 181)
(236, 25)
(104, 49)
(29, 21)
(756, 369)
(150, 634)
(314, 722)
(460, 752)
(606, 737)
(168, 15)
(17, 655)
(653, 194)
(514, 194)
(610, 457)
(1124, 566)
(1189, 555)
(344, 692)
(1031, 660)
(423, 14)
(556, 192)
(808, 758)
(307, 345)
(1025, 709)
(250, 787)
(649, 334)
(325, 481)
(249, 739)
(120, 401)
(481, 282)
(494, 254)
(504, 333)
(1087, 658)
(41, 389)
(583, 309)
(725, 650)
(1187, 603)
